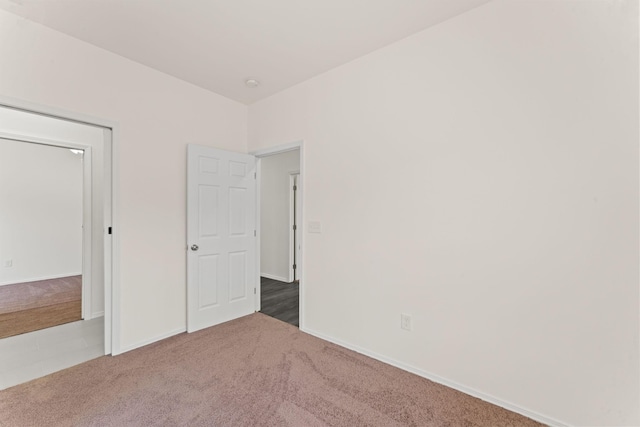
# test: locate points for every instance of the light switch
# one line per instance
(315, 227)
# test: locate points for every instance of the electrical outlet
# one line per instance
(405, 322)
(8, 263)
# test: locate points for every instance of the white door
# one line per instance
(221, 245)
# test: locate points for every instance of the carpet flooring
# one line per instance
(280, 300)
(27, 307)
(253, 371)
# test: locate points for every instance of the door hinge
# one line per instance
(254, 291)
(295, 188)
(295, 266)
(255, 175)
(255, 233)
(109, 230)
(295, 227)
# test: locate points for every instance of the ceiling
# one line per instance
(218, 44)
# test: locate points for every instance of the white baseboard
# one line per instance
(274, 277)
(437, 379)
(96, 315)
(36, 279)
(149, 341)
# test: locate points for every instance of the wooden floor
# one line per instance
(31, 306)
(280, 300)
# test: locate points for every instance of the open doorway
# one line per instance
(45, 227)
(35, 353)
(280, 213)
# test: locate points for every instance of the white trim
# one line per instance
(292, 221)
(265, 152)
(151, 340)
(57, 113)
(290, 270)
(440, 380)
(87, 234)
(42, 141)
(111, 244)
(111, 287)
(302, 277)
(37, 279)
(298, 145)
(257, 286)
(274, 277)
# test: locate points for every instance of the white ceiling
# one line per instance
(218, 44)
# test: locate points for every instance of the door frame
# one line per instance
(266, 152)
(87, 227)
(294, 219)
(112, 328)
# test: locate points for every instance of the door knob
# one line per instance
(194, 247)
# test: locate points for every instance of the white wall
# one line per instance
(274, 213)
(482, 176)
(157, 116)
(41, 214)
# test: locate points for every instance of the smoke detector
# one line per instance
(252, 83)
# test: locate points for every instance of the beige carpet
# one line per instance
(253, 371)
(26, 307)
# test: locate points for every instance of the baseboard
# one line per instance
(440, 380)
(37, 279)
(96, 315)
(142, 343)
(274, 277)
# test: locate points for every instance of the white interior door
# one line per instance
(221, 224)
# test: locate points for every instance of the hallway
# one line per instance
(280, 300)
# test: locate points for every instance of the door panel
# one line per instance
(208, 214)
(237, 275)
(237, 214)
(208, 281)
(221, 212)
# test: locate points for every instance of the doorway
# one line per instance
(45, 279)
(280, 184)
(224, 233)
(34, 354)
